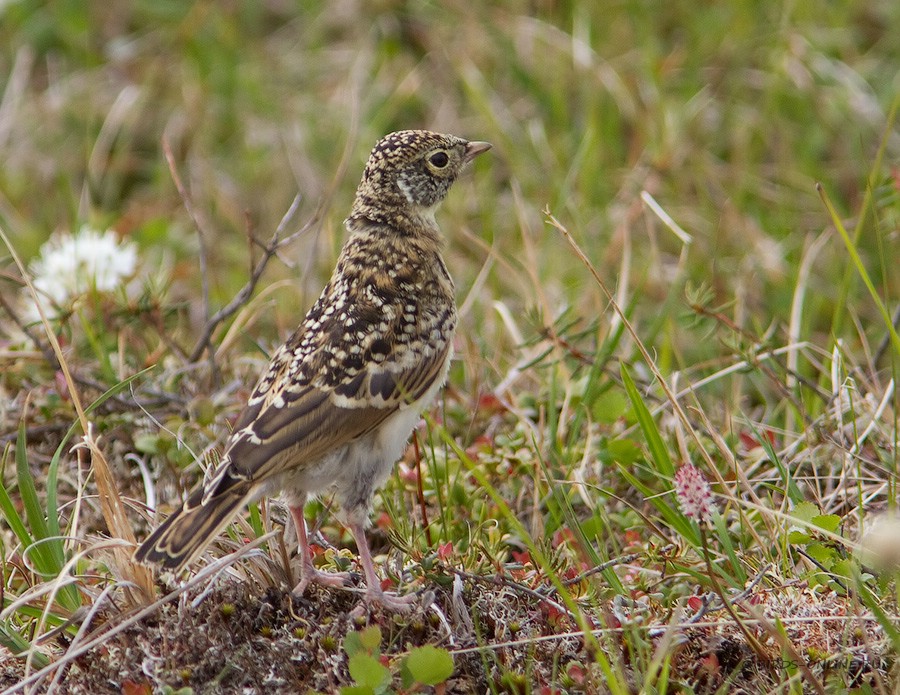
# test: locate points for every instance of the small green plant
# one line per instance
(813, 536)
(43, 551)
(422, 667)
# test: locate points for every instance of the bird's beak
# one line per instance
(473, 149)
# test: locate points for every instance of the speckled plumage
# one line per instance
(340, 398)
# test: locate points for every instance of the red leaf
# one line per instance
(135, 688)
(576, 672)
(563, 535)
(710, 664)
(383, 521)
(522, 557)
(748, 440)
(632, 537)
(489, 403)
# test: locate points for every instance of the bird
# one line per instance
(336, 405)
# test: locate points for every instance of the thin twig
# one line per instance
(514, 585)
(603, 566)
(708, 599)
(420, 491)
(244, 294)
(201, 236)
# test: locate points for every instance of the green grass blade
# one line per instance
(12, 518)
(791, 489)
(19, 646)
(48, 556)
(850, 245)
(658, 452)
(725, 542)
(840, 308)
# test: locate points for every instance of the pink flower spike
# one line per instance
(693, 493)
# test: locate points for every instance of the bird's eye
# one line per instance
(439, 159)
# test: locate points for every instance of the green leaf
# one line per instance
(823, 554)
(828, 522)
(725, 539)
(805, 511)
(371, 638)
(844, 567)
(256, 522)
(368, 671)
(147, 443)
(33, 511)
(799, 538)
(45, 549)
(609, 407)
(429, 665)
(353, 644)
(13, 519)
(19, 646)
(357, 690)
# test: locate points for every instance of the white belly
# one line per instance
(359, 468)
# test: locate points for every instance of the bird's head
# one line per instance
(409, 173)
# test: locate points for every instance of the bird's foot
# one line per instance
(310, 575)
(389, 602)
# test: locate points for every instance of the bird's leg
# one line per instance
(308, 573)
(374, 592)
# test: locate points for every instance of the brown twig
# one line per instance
(512, 584)
(32, 433)
(244, 294)
(201, 236)
(420, 490)
(708, 599)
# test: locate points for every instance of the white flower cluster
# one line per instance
(70, 266)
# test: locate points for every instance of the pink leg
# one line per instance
(374, 593)
(308, 573)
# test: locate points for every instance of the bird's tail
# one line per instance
(184, 535)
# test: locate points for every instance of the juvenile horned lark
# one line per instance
(339, 400)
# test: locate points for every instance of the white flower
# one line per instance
(72, 265)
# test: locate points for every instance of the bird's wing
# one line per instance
(312, 401)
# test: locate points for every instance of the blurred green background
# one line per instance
(725, 113)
